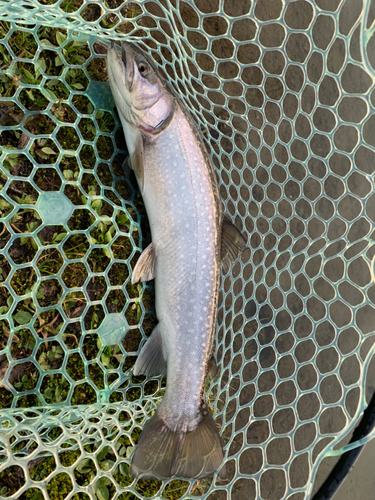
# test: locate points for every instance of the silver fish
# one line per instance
(190, 240)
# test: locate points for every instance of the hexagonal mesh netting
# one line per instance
(284, 94)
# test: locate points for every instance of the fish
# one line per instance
(192, 240)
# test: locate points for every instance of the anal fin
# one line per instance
(151, 362)
(145, 267)
(232, 243)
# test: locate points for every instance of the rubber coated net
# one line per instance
(284, 94)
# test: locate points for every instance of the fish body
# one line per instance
(183, 205)
(182, 200)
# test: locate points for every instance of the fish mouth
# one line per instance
(121, 65)
(128, 64)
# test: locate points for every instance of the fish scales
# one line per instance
(183, 204)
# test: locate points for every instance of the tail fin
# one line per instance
(162, 453)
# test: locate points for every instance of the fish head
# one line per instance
(142, 98)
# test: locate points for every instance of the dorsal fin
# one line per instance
(232, 243)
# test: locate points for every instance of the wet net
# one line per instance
(284, 94)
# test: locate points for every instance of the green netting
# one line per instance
(284, 94)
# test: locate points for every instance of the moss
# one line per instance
(122, 248)
(59, 486)
(29, 401)
(74, 275)
(32, 494)
(87, 128)
(87, 156)
(97, 69)
(175, 489)
(116, 397)
(68, 458)
(64, 113)
(83, 104)
(43, 469)
(75, 367)
(96, 375)
(6, 398)
(147, 488)
(84, 394)
(68, 138)
(105, 147)
(133, 394)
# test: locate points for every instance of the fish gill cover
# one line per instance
(284, 94)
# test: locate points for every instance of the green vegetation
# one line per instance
(72, 150)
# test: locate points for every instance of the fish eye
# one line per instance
(143, 68)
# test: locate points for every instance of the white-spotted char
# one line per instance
(190, 239)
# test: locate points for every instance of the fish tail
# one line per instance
(162, 453)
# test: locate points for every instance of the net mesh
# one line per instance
(284, 94)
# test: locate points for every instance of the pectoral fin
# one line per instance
(145, 268)
(151, 362)
(136, 161)
(232, 243)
